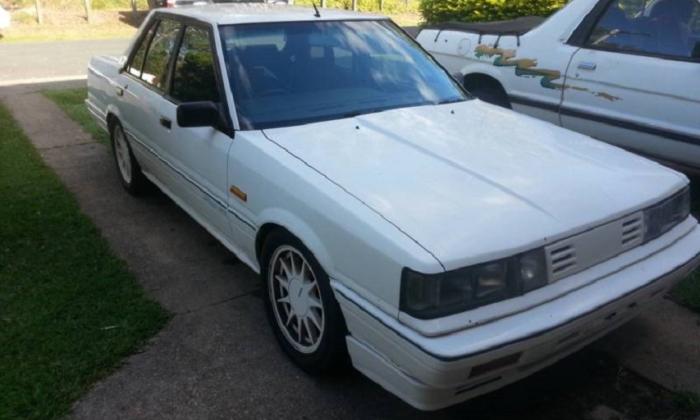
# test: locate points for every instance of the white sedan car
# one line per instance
(625, 72)
(443, 245)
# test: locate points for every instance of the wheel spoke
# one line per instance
(283, 282)
(292, 264)
(283, 300)
(315, 302)
(309, 334)
(299, 330)
(284, 267)
(290, 315)
(304, 270)
(314, 319)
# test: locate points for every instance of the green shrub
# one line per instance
(485, 10)
(390, 6)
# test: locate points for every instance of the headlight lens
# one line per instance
(429, 296)
(662, 217)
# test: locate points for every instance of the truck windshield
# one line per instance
(293, 73)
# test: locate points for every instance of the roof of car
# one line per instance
(232, 13)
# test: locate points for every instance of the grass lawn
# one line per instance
(70, 311)
(72, 102)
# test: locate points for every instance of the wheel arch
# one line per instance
(482, 77)
(113, 117)
(279, 219)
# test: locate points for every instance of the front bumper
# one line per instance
(434, 372)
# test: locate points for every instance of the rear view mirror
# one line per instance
(199, 114)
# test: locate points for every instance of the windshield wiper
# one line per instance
(450, 101)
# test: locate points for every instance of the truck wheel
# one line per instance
(128, 169)
(301, 307)
(488, 90)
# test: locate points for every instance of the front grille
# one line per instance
(579, 252)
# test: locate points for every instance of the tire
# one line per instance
(304, 314)
(488, 90)
(132, 178)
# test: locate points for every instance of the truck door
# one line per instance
(635, 82)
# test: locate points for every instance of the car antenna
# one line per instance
(317, 14)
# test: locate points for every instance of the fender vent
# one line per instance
(632, 231)
(563, 260)
(593, 246)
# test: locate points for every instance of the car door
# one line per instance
(146, 112)
(635, 80)
(129, 95)
(199, 154)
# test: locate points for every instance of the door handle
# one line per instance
(587, 65)
(166, 123)
(119, 89)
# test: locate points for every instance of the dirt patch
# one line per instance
(71, 24)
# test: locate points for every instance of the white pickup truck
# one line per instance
(626, 72)
(445, 246)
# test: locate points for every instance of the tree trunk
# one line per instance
(354, 5)
(323, 4)
(381, 5)
(39, 15)
(134, 7)
(88, 10)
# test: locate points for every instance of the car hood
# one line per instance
(472, 182)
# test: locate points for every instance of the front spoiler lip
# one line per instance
(346, 293)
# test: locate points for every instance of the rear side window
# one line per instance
(659, 27)
(155, 68)
(194, 78)
(136, 64)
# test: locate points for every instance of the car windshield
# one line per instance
(292, 73)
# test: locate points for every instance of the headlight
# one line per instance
(429, 296)
(662, 217)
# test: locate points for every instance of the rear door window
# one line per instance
(155, 69)
(136, 64)
(194, 78)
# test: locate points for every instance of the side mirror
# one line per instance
(199, 114)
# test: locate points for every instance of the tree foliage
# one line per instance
(388, 6)
(485, 10)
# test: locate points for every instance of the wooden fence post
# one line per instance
(39, 15)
